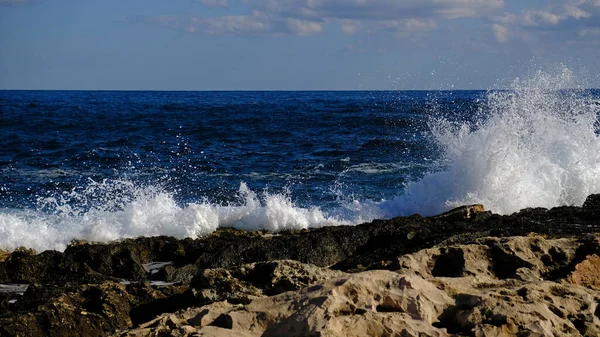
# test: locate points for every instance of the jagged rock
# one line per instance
(541, 308)
(527, 296)
(247, 282)
(587, 273)
(372, 303)
(531, 257)
(216, 285)
(169, 273)
(375, 245)
(276, 277)
(234, 282)
(88, 310)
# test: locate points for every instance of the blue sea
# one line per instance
(104, 165)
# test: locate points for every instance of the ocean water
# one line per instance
(101, 165)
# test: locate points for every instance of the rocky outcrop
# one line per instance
(373, 303)
(466, 272)
(369, 246)
(517, 286)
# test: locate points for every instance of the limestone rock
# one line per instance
(530, 257)
(587, 273)
(372, 303)
(280, 276)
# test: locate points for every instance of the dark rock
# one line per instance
(462, 212)
(592, 202)
(505, 263)
(223, 321)
(83, 310)
(450, 264)
(172, 274)
(21, 267)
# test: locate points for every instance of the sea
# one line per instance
(108, 165)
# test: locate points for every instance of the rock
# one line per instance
(72, 310)
(372, 303)
(532, 257)
(462, 212)
(215, 285)
(169, 273)
(375, 245)
(592, 202)
(587, 273)
(285, 275)
(543, 308)
(474, 274)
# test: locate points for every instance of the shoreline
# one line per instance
(105, 289)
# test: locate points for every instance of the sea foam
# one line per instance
(536, 145)
(148, 211)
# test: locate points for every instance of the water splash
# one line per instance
(535, 145)
(538, 146)
(131, 211)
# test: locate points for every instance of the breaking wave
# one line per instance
(535, 145)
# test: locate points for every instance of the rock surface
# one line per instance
(466, 272)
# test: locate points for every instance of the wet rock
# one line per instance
(462, 212)
(592, 202)
(375, 245)
(24, 267)
(170, 273)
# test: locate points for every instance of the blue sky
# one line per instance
(292, 44)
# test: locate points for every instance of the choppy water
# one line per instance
(107, 165)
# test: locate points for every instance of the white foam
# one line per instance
(538, 147)
(13, 288)
(149, 212)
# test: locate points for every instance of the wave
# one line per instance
(123, 210)
(536, 145)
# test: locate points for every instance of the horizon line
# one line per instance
(270, 90)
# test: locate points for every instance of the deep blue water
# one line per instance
(101, 165)
(203, 144)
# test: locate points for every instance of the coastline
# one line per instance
(239, 280)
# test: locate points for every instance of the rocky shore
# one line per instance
(467, 272)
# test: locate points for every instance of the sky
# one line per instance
(293, 44)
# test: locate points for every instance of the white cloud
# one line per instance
(349, 26)
(404, 28)
(547, 17)
(255, 24)
(402, 18)
(536, 18)
(309, 17)
(576, 12)
(500, 32)
(557, 22)
(214, 3)
(378, 9)
(303, 27)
